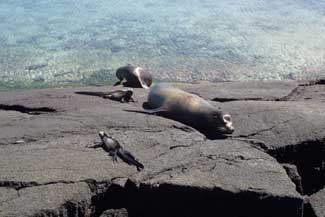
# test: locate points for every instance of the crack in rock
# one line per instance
(18, 185)
(179, 146)
(308, 157)
(183, 128)
(265, 130)
(242, 99)
(288, 96)
(27, 110)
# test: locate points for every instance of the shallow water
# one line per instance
(72, 42)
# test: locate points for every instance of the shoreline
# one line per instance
(111, 82)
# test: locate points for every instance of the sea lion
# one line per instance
(134, 76)
(113, 147)
(120, 95)
(117, 95)
(187, 108)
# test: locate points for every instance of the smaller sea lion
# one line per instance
(120, 95)
(113, 147)
(134, 76)
(187, 108)
(117, 95)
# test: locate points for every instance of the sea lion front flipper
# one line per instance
(154, 111)
(118, 83)
(148, 109)
(113, 154)
(141, 78)
(143, 84)
(95, 145)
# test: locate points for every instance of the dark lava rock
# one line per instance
(321, 81)
(115, 213)
(317, 204)
(243, 90)
(309, 93)
(53, 173)
(49, 200)
(207, 178)
(292, 172)
(293, 132)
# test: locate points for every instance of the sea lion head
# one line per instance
(128, 94)
(223, 122)
(102, 134)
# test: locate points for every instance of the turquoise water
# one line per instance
(72, 42)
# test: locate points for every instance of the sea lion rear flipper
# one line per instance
(95, 145)
(128, 158)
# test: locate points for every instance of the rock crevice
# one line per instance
(28, 110)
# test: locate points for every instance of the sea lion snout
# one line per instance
(228, 123)
(101, 134)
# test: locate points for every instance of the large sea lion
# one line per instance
(187, 108)
(134, 76)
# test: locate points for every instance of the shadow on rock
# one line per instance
(211, 134)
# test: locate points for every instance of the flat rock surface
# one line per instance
(7, 195)
(46, 153)
(243, 90)
(317, 202)
(292, 131)
(308, 93)
(220, 164)
(52, 199)
(277, 124)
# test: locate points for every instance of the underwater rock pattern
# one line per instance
(64, 43)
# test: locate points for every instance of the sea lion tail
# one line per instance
(128, 158)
